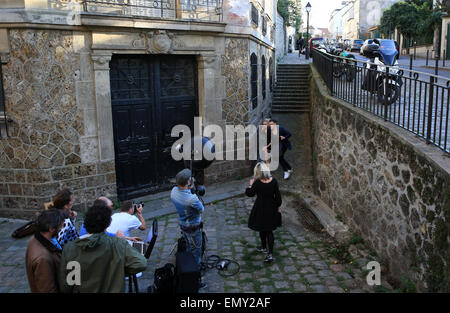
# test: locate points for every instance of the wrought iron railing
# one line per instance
(416, 101)
(200, 10)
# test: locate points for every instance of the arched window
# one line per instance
(254, 79)
(263, 76)
(271, 75)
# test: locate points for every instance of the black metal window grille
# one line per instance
(418, 102)
(263, 76)
(255, 15)
(254, 80)
(264, 25)
(271, 75)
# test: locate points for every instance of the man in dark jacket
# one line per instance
(103, 261)
(43, 253)
(285, 145)
(301, 43)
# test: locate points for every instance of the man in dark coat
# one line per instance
(285, 145)
(301, 43)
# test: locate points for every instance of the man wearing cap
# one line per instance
(189, 209)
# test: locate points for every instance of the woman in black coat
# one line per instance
(265, 216)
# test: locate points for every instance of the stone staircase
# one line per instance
(291, 93)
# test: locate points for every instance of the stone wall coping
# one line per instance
(429, 151)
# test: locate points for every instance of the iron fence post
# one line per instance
(436, 66)
(410, 62)
(386, 83)
(354, 82)
(428, 51)
(430, 110)
(331, 77)
(415, 43)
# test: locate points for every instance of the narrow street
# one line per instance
(306, 258)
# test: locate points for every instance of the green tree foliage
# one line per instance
(413, 19)
(291, 11)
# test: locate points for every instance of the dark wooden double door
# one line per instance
(150, 95)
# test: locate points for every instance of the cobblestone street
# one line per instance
(304, 260)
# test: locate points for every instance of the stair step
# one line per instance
(291, 81)
(293, 71)
(297, 91)
(293, 66)
(293, 86)
(296, 79)
(289, 107)
(284, 103)
(291, 97)
(291, 102)
(290, 111)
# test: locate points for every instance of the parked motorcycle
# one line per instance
(387, 86)
(344, 65)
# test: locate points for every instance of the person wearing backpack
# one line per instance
(190, 209)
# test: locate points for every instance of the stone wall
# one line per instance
(43, 153)
(387, 185)
(235, 70)
(280, 38)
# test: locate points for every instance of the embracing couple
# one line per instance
(273, 129)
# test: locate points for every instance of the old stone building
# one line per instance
(92, 90)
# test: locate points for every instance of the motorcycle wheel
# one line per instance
(338, 69)
(393, 93)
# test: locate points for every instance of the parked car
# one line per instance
(366, 43)
(315, 43)
(356, 44)
(369, 46)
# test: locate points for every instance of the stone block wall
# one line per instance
(235, 70)
(280, 38)
(44, 152)
(387, 185)
(24, 192)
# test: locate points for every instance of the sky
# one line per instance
(319, 16)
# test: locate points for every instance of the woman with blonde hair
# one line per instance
(265, 216)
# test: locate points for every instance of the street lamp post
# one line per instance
(308, 9)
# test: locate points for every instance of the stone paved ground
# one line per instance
(293, 58)
(304, 260)
(13, 277)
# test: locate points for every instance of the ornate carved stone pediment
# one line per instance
(160, 42)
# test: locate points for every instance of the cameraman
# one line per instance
(126, 220)
(189, 209)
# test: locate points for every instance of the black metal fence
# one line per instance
(201, 10)
(415, 101)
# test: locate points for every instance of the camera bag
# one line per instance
(164, 279)
(25, 230)
(187, 277)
